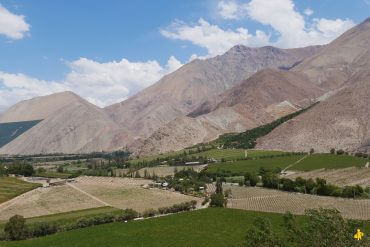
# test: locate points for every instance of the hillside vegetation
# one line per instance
(247, 139)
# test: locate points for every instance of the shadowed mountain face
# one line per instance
(200, 81)
(10, 131)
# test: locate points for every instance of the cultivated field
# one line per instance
(163, 171)
(45, 201)
(259, 199)
(128, 193)
(206, 227)
(340, 177)
(329, 161)
(254, 165)
(12, 187)
(91, 192)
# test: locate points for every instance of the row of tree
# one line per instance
(17, 229)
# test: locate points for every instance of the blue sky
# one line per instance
(108, 50)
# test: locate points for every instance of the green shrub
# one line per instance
(127, 214)
(42, 229)
(15, 228)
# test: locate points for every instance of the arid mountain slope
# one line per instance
(76, 126)
(37, 108)
(337, 62)
(264, 97)
(198, 82)
(341, 122)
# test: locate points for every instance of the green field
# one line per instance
(12, 187)
(328, 161)
(10, 131)
(253, 166)
(206, 227)
(69, 217)
(218, 154)
(233, 154)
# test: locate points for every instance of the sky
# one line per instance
(106, 51)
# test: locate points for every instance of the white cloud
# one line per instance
(228, 9)
(100, 83)
(11, 25)
(215, 39)
(291, 25)
(308, 12)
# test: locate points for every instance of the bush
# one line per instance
(340, 152)
(149, 213)
(250, 179)
(43, 229)
(127, 214)
(15, 228)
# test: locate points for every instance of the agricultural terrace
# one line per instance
(204, 227)
(253, 166)
(329, 161)
(12, 187)
(267, 200)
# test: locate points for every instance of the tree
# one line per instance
(219, 189)
(270, 180)
(250, 179)
(324, 228)
(60, 169)
(218, 200)
(332, 151)
(261, 235)
(15, 228)
(312, 151)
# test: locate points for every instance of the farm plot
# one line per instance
(12, 187)
(253, 166)
(127, 193)
(259, 199)
(329, 161)
(163, 171)
(340, 177)
(46, 201)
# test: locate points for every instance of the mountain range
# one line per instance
(241, 89)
